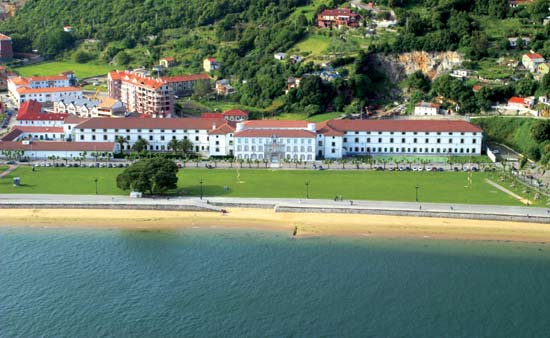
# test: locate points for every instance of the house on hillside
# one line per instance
(6, 50)
(210, 65)
(544, 68)
(340, 17)
(520, 103)
(167, 62)
(426, 109)
(280, 56)
(223, 87)
(513, 41)
(531, 61)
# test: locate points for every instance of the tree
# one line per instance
(539, 10)
(541, 130)
(140, 145)
(201, 89)
(155, 175)
(121, 141)
(418, 81)
(122, 58)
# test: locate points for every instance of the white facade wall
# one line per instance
(40, 123)
(329, 147)
(222, 145)
(158, 139)
(294, 148)
(421, 110)
(48, 97)
(412, 143)
(43, 154)
(49, 83)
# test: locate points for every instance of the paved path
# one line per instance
(8, 171)
(508, 192)
(216, 203)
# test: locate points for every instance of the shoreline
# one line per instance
(305, 224)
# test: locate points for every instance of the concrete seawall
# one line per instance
(117, 206)
(416, 213)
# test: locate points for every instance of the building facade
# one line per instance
(142, 94)
(6, 49)
(341, 17)
(426, 109)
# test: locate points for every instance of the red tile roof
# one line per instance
(59, 146)
(136, 79)
(148, 123)
(38, 129)
(169, 59)
(235, 112)
(211, 116)
(49, 78)
(186, 78)
(403, 125)
(476, 88)
(226, 128)
(515, 99)
(4, 37)
(300, 133)
(75, 120)
(534, 56)
(338, 12)
(29, 107)
(274, 124)
(12, 135)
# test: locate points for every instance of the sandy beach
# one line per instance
(307, 224)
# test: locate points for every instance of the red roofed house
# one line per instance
(235, 115)
(275, 141)
(30, 114)
(531, 61)
(184, 84)
(426, 108)
(516, 3)
(64, 150)
(43, 88)
(520, 103)
(142, 94)
(6, 49)
(341, 138)
(337, 18)
(167, 62)
(210, 65)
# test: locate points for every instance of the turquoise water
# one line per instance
(221, 283)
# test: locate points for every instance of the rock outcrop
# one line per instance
(398, 66)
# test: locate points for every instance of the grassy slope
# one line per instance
(395, 186)
(82, 70)
(514, 132)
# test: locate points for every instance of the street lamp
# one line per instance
(307, 189)
(416, 196)
(95, 180)
(201, 182)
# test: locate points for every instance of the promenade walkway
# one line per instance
(467, 211)
(8, 171)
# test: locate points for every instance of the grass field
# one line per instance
(449, 187)
(82, 70)
(314, 118)
(314, 44)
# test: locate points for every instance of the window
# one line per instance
(104, 137)
(162, 138)
(462, 141)
(427, 141)
(82, 137)
(217, 143)
(320, 143)
(368, 140)
(150, 137)
(196, 138)
(438, 140)
(345, 139)
(474, 141)
(402, 140)
(414, 140)
(379, 140)
(391, 140)
(334, 144)
(356, 139)
(93, 137)
(450, 140)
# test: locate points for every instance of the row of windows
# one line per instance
(288, 148)
(403, 140)
(245, 140)
(410, 150)
(403, 133)
(150, 130)
(302, 157)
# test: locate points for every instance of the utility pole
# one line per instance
(307, 189)
(201, 182)
(417, 187)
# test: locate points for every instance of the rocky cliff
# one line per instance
(399, 66)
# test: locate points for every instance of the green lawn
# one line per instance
(314, 44)
(82, 70)
(447, 187)
(304, 116)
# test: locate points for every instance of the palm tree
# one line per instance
(121, 141)
(266, 162)
(327, 162)
(140, 145)
(174, 145)
(424, 162)
(249, 162)
(197, 160)
(240, 161)
(343, 162)
(231, 160)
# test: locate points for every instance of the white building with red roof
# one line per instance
(426, 109)
(30, 114)
(42, 88)
(275, 140)
(71, 151)
(340, 17)
(210, 65)
(157, 132)
(342, 138)
(531, 61)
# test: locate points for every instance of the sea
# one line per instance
(250, 283)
